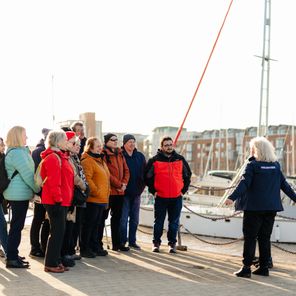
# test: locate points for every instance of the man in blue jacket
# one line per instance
(131, 204)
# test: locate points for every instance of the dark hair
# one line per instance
(165, 139)
(1, 139)
(66, 129)
(76, 123)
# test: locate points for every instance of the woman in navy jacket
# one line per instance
(258, 195)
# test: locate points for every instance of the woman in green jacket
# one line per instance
(18, 163)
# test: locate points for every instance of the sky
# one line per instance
(136, 63)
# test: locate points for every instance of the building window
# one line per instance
(188, 156)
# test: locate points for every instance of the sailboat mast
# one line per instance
(264, 92)
(52, 101)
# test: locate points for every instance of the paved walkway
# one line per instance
(195, 272)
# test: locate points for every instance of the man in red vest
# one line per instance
(167, 176)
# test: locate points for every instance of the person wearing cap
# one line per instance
(119, 177)
(132, 198)
(40, 225)
(167, 176)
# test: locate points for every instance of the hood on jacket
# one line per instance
(49, 151)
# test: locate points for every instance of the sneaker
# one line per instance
(134, 246)
(261, 271)
(172, 248)
(155, 248)
(245, 271)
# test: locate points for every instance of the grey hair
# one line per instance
(263, 149)
(54, 138)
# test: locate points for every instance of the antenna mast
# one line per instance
(52, 101)
(264, 93)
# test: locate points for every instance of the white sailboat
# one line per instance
(205, 214)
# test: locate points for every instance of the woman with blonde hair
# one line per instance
(98, 178)
(258, 195)
(20, 169)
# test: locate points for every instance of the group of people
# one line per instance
(112, 179)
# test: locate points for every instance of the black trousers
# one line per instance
(101, 228)
(19, 212)
(90, 228)
(116, 203)
(257, 226)
(77, 230)
(68, 239)
(57, 220)
(39, 229)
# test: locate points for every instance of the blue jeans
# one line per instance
(173, 207)
(3, 230)
(130, 209)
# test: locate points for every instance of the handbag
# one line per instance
(80, 196)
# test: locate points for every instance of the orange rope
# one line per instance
(203, 73)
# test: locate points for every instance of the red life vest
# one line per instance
(168, 178)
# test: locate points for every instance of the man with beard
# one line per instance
(167, 176)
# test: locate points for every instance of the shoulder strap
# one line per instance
(59, 159)
(16, 171)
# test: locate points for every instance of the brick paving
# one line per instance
(199, 271)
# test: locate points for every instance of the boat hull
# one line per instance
(283, 230)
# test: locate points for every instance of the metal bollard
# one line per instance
(179, 246)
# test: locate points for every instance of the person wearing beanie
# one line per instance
(128, 137)
(132, 198)
(108, 136)
(40, 225)
(119, 177)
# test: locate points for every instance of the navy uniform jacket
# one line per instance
(260, 186)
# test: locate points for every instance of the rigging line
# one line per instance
(203, 73)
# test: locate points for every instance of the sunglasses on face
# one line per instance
(168, 145)
(113, 140)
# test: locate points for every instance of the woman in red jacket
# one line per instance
(57, 193)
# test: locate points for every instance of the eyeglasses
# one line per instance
(113, 140)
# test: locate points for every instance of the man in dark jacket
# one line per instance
(39, 221)
(132, 198)
(167, 176)
(78, 128)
